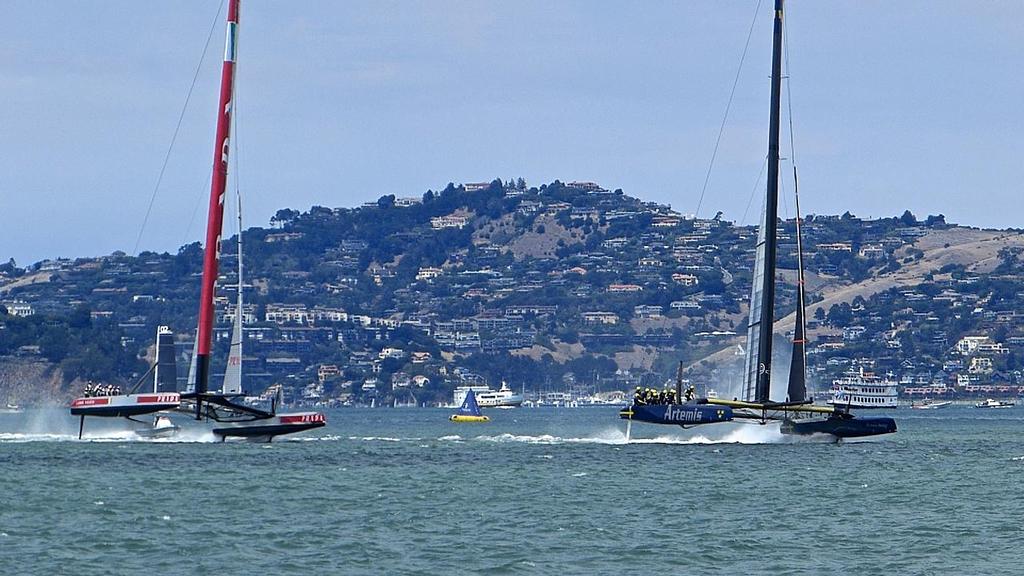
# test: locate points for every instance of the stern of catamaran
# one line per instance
(841, 425)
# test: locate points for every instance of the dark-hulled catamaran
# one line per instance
(798, 414)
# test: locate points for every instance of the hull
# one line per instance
(467, 418)
(264, 430)
(855, 406)
(227, 419)
(511, 402)
(153, 433)
(487, 398)
(124, 404)
(994, 404)
(840, 426)
(162, 428)
(677, 414)
(931, 405)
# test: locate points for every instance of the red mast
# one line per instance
(215, 218)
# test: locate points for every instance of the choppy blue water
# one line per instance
(541, 491)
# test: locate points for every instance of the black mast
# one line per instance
(764, 349)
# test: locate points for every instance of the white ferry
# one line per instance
(487, 398)
(863, 390)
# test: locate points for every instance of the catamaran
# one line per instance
(223, 411)
(798, 414)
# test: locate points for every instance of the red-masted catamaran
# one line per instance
(221, 410)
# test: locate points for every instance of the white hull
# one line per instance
(487, 398)
(994, 404)
(931, 405)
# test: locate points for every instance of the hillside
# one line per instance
(551, 288)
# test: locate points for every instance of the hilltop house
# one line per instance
(18, 308)
(450, 221)
(600, 318)
(685, 279)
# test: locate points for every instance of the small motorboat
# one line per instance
(929, 404)
(469, 411)
(990, 403)
(162, 428)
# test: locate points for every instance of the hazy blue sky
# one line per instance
(909, 104)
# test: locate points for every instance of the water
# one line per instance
(403, 491)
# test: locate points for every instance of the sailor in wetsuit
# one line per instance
(691, 393)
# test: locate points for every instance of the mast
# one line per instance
(215, 218)
(764, 348)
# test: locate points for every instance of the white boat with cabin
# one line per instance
(505, 397)
(929, 404)
(860, 389)
(990, 403)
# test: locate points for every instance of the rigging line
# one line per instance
(195, 210)
(235, 159)
(789, 116)
(789, 94)
(177, 129)
(728, 106)
(753, 191)
(782, 195)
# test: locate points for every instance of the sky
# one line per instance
(896, 105)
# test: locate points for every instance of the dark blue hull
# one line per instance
(677, 414)
(840, 426)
